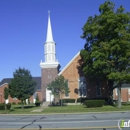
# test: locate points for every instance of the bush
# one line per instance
(68, 100)
(94, 103)
(13, 103)
(81, 100)
(8, 106)
(37, 103)
(2, 106)
(19, 103)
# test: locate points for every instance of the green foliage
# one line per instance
(6, 93)
(106, 54)
(19, 103)
(37, 98)
(59, 86)
(22, 85)
(2, 106)
(8, 106)
(68, 100)
(37, 103)
(13, 103)
(94, 103)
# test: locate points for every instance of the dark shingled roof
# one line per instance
(37, 79)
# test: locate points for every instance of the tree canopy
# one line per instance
(59, 87)
(106, 53)
(22, 85)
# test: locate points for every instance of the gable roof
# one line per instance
(37, 79)
(69, 63)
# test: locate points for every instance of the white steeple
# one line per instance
(49, 48)
(49, 37)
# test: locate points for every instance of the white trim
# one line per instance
(49, 64)
(69, 63)
(4, 84)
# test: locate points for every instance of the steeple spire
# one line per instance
(49, 49)
(49, 37)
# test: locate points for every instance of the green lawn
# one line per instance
(82, 108)
(16, 109)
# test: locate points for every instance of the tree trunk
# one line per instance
(61, 101)
(5, 108)
(22, 104)
(119, 96)
(110, 86)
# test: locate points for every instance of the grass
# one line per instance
(16, 109)
(82, 108)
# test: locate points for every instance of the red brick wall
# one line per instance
(73, 72)
(48, 75)
(125, 96)
(11, 100)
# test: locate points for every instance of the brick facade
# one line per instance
(125, 94)
(11, 100)
(48, 75)
(72, 72)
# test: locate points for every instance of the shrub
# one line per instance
(8, 106)
(37, 103)
(19, 103)
(13, 103)
(68, 100)
(2, 106)
(94, 103)
(81, 100)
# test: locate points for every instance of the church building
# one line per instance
(79, 85)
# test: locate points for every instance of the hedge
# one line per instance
(19, 103)
(8, 106)
(37, 103)
(13, 103)
(68, 100)
(2, 106)
(94, 103)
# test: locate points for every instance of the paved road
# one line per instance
(81, 121)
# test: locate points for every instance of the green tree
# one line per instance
(6, 94)
(22, 85)
(106, 54)
(59, 87)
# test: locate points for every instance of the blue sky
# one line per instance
(23, 27)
